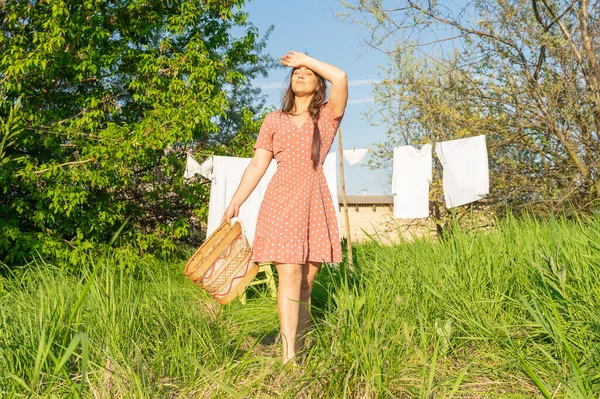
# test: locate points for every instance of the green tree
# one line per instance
(111, 95)
(525, 73)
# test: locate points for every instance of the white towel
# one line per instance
(354, 156)
(466, 172)
(411, 176)
(227, 175)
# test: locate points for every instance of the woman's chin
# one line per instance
(303, 92)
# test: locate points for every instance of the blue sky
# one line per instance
(311, 26)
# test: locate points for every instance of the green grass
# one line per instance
(513, 312)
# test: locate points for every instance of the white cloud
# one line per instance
(362, 82)
(271, 85)
(361, 100)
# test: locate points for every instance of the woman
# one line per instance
(296, 227)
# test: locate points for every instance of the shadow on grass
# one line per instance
(330, 280)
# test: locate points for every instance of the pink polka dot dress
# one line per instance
(297, 221)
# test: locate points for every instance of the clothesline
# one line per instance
(357, 187)
(465, 174)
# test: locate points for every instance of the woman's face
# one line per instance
(304, 82)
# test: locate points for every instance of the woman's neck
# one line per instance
(301, 105)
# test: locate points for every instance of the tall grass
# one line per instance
(515, 310)
(512, 312)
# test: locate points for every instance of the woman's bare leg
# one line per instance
(309, 272)
(288, 305)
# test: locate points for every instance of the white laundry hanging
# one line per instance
(466, 171)
(411, 176)
(192, 167)
(355, 156)
(227, 174)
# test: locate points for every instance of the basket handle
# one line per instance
(239, 220)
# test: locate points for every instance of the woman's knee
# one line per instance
(309, 272)
(306, 285)
(289, 272)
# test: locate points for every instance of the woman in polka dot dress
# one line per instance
(297, 227)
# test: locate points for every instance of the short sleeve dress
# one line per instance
(296, 221)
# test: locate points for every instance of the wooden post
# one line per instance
(348, 238)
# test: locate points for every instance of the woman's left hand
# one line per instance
(294, 59)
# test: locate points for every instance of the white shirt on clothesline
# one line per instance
(466, 171)
(411, 177)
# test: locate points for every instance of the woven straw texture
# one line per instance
(223, 264)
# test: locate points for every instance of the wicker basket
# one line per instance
(223, 264)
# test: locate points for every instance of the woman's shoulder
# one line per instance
(326, 107)
(273, 115)
(275, 112)
(328, 112)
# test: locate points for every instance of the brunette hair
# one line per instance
(288, 103)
